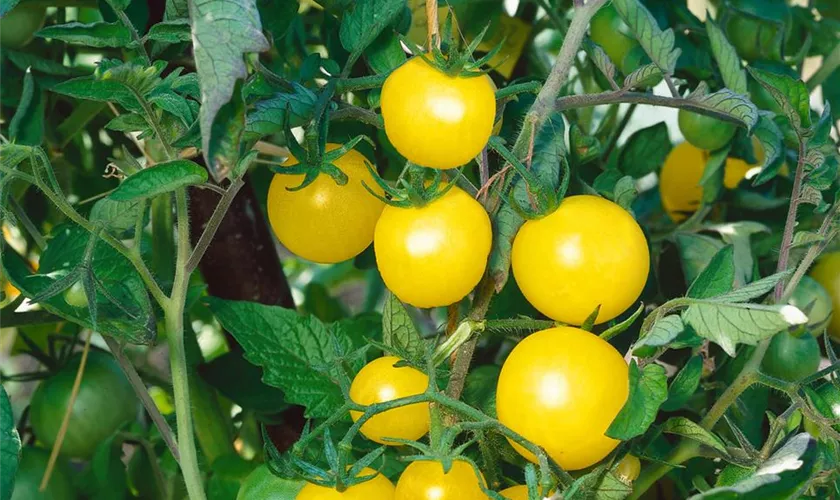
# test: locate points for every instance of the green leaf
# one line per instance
(599, 486)
(771, 138)
(727, 58)
(131, 319)
(684, 427)
(222, 31)
(584, 148)
(158, 179)
(549, 152)
(366, 19)
(658, 44)
(751, 291)
(790, 94)
(298, 354)
(27, 125)
(600, 58)
(108, 470)
(663, 331)
(385, 54)
(170, 31)
(713, 175)
(269, 115)
(738, 235)
(644, 77)
(246, 389)
(118, 216)
(727, 102)
(696, 251)
(9, 446)
(99, 34)
(12, 155)
(480, 388)
(684, 384)
(99, 90)
(648, 390)
(26, 60)
(645, 151)
(717, 278)
(226, 133)
(399, 332)
(128, 122)
(277, 16)
(731, 324)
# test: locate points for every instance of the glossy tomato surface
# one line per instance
(561, 388)
(105, 403)
(608, 30)
(588, 252)
(377, 488)
(704, 131)
(827, 274)
(425, 480)
(791, 358)
(261, 484)
(813, 299)
(379, 381)
(433, 255)
(436, 120)
(325, 222)
(628, 469)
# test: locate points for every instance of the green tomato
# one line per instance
(791, 358)
(704, 131)
(263, 485)
(33, 463)
(105, 403)
(608, 30)
(815, 302)
(18, 26)
(76, 296)
(829, 407)
(758, 28)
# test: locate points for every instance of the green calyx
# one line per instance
(416, 191)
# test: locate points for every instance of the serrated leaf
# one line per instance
(684, 427)
(222, 32)
(731, 324)
(118, 216)
(269, 115)
(298, 354)
(771, 138)
(598, 485)
(99, 90)
(9, 445)
(644, 77)
(398, 330)
(717, 278)
(662, 332)
(648, 390)
(98, 34)
(27, 125)
(713, 175)
(727, 102)
(365, 21)
(584, 148)
(684, 385)
(170, 31)
(159, 179)
(645, 151)
(385, 54)
(600, 58)
(751, 291)
(625, 192)
(658, 44)
(727, 58)
(806, 238)
(790, 94)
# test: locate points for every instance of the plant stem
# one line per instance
(27, 223)
(212, 226)
(829, 65)
(790, 224)
(432, 24)
(134, 35)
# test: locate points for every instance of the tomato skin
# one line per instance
(33, 463)
(379, 487)
(567, 263)
(325, 222)
(436, 120)
(704, 131)
(827, 274)
(791, 358)
(105, 403)
(611, 33)
(561, 388)
(433, 255)
(261, 484)
(19, 25)
(519, 492)
(628, 469)
(425, 480)
(813, 300)
(76, 296)
(379, 381)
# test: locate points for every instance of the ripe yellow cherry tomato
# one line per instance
(425, 480)
(433, 255)
(561, 388)
(519, 492)
(379, 488)
(827, 274)
(588, 252)
(325, 222)
(436, 120)
(679, 180)
(628, 469)
(379, 381)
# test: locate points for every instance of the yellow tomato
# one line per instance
(519, 492)
(561, 388)
(379, 381)
(827, 274)
(425, 480)
(325, 222)
(628, 469)
(436, 120)
(433, 255)
(379, 488)
(588, 252)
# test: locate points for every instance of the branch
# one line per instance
(790, 224)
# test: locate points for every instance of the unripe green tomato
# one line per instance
(76, 296)
(105, 403)
(791, 358)
(704, 131)
(608, 30)
(18, 26)
(758, 28)
(33, 463)
(815, 302)
(829, 407)
(263, 485)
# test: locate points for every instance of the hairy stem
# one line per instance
(213, 224)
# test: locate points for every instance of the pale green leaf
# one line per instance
(648, 390)
(684, 427)
(365, 20)
(790, 94)
(398, 330)
(727, 58)
(658, 44)
(98, 34)
(159, 179)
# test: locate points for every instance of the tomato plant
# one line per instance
(419, 249)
